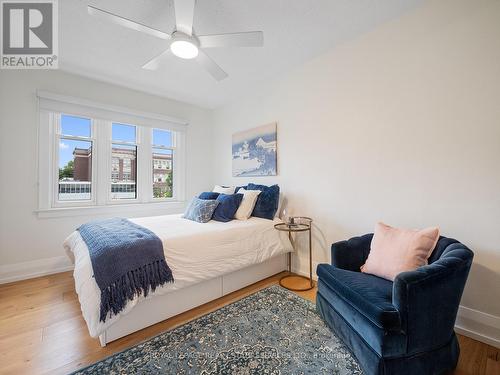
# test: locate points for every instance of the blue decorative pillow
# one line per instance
(228, 205)
(200, 210)
(267, 202)
(208, 195)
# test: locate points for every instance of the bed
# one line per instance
(208, 260)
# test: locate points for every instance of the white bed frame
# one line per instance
(158, 308)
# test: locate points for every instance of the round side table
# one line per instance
(297, 224)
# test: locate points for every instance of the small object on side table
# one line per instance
(297, 224)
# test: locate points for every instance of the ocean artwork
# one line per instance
(254, 152)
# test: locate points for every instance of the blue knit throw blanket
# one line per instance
(127, 260)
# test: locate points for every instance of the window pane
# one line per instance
(162, 138)
(123, 133)
(75, 170)
(75, 126)
(162, 173)
(123, 171)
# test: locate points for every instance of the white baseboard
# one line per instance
(305, 272)
(478, 325)
(35, 268)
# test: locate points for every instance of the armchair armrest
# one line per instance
(428, 298)
(351, 254)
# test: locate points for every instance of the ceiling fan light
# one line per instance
(184, 49)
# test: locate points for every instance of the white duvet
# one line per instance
(194, 252)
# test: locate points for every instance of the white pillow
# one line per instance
(247, 203)
(281, 199)
(224, 190)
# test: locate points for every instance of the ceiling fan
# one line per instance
(183, 42)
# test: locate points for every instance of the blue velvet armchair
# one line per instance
(401, 327)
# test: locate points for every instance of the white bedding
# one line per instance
(194, 251)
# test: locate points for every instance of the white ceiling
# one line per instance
(294, 32)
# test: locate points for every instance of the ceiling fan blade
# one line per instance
(210, 65)
(184, 13)
(155, 62)
(122, 21)
(248, 39)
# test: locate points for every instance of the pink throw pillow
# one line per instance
(395, 250)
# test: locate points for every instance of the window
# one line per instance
(93, 155)
(163, 158)
(123, 161)
(74, 145)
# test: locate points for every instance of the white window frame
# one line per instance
(56, 123)
(51, 106)
(173, 148)
(138, 189)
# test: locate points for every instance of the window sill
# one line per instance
(164, 207)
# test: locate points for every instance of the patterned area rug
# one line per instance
(273, 331)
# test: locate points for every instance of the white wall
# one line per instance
(28, 244)
(400, 125)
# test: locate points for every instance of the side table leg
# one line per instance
(310, 258)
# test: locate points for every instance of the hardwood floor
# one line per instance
(42, 329)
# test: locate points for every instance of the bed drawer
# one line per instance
(249, 275)
(158, 308)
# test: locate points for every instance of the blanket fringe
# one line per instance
(134, 283)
